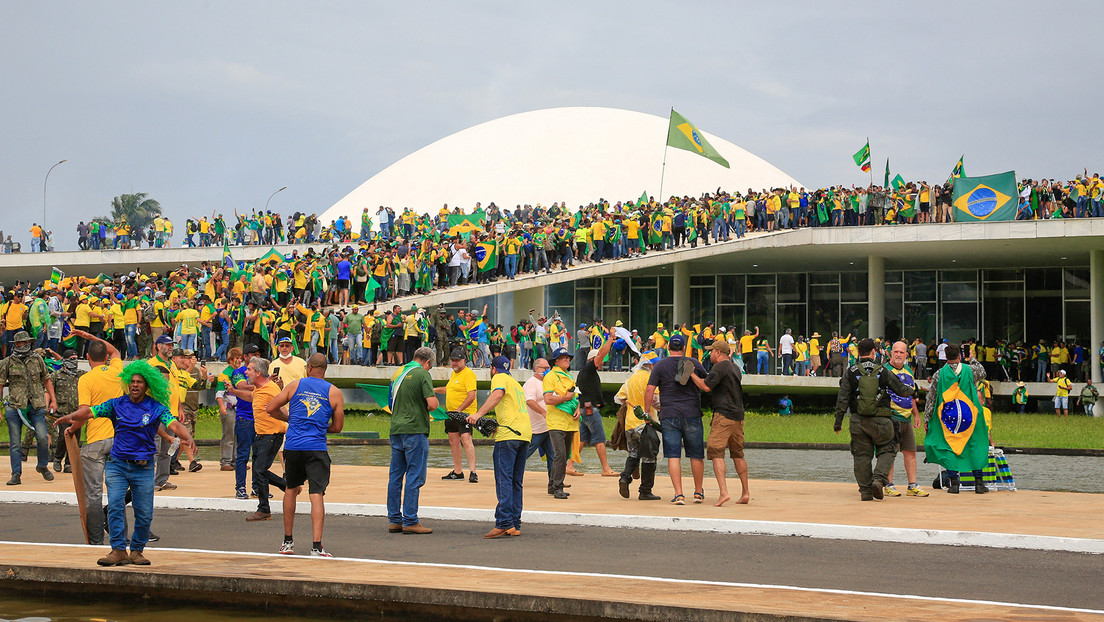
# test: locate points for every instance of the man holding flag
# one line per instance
(960, 440)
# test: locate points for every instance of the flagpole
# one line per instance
(871, 158)
(663, 168)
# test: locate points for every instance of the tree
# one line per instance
(136, 209)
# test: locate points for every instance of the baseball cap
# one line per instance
(163, 339)
(283, 340)
(501, 364)
(458, 354)
(178, 352)
(251, 349)
(649, 358)
(677, 342)
(558, 352)
(720, 346)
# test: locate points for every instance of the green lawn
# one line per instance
(1013, 430)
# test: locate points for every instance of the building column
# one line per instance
(525, 299)
(682, 293)
(1096, 313)
(875, 288)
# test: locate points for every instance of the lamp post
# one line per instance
(44, 192)
(272, 195)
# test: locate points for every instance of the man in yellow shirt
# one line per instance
(814, 353)
(642, 440)
(13, 312)
(269, 435)
(747, 350)
(561, 406)
(511, 445)
(1061, 394)
(287, 368)
(460, 397)
(188, 318)
(95, 387)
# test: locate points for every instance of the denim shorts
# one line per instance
(683, 432)
(1061, 402)
(591, 430)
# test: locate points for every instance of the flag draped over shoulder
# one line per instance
(682, 134)
(862, 157)
(486, 254)
(988, 198)
(655, 230)
(957, 436)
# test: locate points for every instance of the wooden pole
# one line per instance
(78, 480)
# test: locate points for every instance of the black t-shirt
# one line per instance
(676, 400)
(725, 381)
(590, 385)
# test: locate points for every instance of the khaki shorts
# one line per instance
(815, 361)
(724, 432)
(906, 435)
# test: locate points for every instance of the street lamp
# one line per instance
(272, 195)
(44, 192)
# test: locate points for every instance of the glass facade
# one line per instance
(1014, 304)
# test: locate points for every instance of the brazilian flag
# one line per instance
(655, 232)
(822, 211)
(461, 224)
(486, 254)
(271, 258)
(682, 134)
(961, 440)
(987, 198)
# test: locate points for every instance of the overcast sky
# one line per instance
(215, 105)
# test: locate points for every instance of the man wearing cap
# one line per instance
(591, 429)
(30, 396)
(288, 367)
(460, 397)
(724, 384)
(511, 444)
(641, 439)
(562, 408)
(680, 415)
(1061, 393)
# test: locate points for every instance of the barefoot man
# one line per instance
(727, 429)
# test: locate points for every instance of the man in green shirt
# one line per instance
(1088, 397)
(354, 325)
(412, 399)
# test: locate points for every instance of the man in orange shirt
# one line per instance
(36, 238)
(269, 436)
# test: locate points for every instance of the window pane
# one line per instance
(731, 317)
(587, 283)
(610, 315)
(1043, 282)
(702, 280)
(894, 310)
(853, 287)
(920, 286)
(760, 279)
(615, 291)
(1077, 283)
(920, 321)
(959, 321)
(1003, 309)
(893, 276)
(703, 305)
(666, 315)
(1077, 321)
(959, 292)
(854, 320)
(643, 281)
(952, 276)
(760, 311)
(824, 310)
(666, 290)
(585, 306)
(561, 294)
(1003, 275)
(644, 312)
(792, 317)
(791, 288)
(824, 278)
(730, 289)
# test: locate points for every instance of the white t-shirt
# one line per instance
(941, 351)
(534, 390)
(785, 344)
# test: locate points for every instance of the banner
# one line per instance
(988, 198)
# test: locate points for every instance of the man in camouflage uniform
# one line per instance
(65, 379)
(443, 326)
(30, 397)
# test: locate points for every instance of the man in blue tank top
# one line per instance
(244, 432)
(315, 408)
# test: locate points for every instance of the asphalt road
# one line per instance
(1017, 576)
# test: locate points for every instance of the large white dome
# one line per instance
(575, 155)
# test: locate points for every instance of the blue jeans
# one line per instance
(542, 442)
(511, 265)
(120, 476)
(409, 453)
(37, 418)
(509, 470)
(762, 360)
(204, 350)
(1040, 369)
(130, 331)
(334, 351)
(683, 432)
(314, 343)
(187, 342)
(220, 353)
(244, 433)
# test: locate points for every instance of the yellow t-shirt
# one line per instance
(159, 311)
(745, 344)
(1063, 386)
(84, 315)
(117, 316)
(814, 347)
(456, 391)
(632, 227)
(264, 423)
(561, 383)
(632, 393)
(188, 319)
(290, 371)
(13, 315)
(96, 387)
(511, 410)
(801, 349)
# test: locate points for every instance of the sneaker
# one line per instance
(454, 475)
(68, 469)
(287, 548)
(153, 537)
(890, 490)
(46, 474)
(472, 477)
(916, 491)
(194, 466)
(319, 553)
(679, 500)
(240, 494)
(166, 486)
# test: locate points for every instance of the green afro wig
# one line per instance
(158, 385)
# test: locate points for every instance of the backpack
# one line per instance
(149, 313)
(868, 390)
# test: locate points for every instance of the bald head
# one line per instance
(316, 365)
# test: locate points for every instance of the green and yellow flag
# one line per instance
(987, 198)
(271, 258)
(56, 276)
(486, 254)
(862, 157)
(959, 169)
(957, 437)
(459, 224)
(682, 134)
(898, 182)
